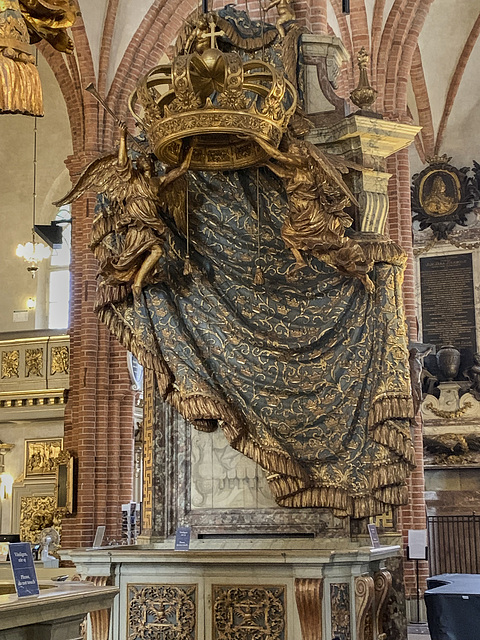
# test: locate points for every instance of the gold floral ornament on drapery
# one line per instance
(23, 23)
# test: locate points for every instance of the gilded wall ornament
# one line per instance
(41, 456)
(33, 362)
(242, 613)
(60, 360)
(37, 513)
(442, 196)
(10, 363)
(162, 612)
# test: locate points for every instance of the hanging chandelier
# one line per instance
(33, 252)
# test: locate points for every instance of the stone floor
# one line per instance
(418, 632)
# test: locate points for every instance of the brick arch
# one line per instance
(386, 42)
(376, 35)
(419, 12)
(425, 120)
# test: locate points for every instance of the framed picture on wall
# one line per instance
(40, 456)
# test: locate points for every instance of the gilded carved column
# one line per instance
(383, 582)
(364, 594)
(309, 597)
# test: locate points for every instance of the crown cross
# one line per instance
(213, 34)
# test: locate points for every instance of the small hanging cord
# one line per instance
(34, 192)
(259, 277)
(187, 265)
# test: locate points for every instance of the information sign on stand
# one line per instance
(372, 530)
(182, 539)
(24, 574)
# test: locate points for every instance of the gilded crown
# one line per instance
(224, 102)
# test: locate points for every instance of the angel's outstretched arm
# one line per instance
(278, 170)
(178, 171)
(276, 154)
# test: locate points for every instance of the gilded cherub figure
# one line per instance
(317, 198)
(286, 13)
(134, 195)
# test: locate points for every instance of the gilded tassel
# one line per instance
(187, 267)
(259, 277)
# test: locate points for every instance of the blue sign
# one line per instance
(182, 539)
(21, 558)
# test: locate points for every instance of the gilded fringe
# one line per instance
(339, 500)
(384, 250)
(390, 407)
(388, 435)
(20, 88)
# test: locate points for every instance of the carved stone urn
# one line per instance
(448, 361)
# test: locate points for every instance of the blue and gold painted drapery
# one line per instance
(308, 377)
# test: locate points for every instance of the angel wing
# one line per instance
(103, 175)
(173, 199)
(327, 165)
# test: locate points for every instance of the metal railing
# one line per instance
(454, 544)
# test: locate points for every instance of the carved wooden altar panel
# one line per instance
(162, 612)
(245, 612)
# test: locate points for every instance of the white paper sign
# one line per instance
(417, 544)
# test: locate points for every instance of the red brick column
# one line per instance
(412, 516)
(99, 412)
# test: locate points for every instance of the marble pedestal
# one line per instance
(226, 590)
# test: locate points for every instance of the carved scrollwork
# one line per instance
(383, 582)
(364, 592)
(243, 613)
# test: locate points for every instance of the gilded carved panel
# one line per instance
(10, 363)
(246, 612)
(340, 607)
(60, 360)
(162, 612)
(33, 362)
(37, 513)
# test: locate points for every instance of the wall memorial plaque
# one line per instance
(448, 307)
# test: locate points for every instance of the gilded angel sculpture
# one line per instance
(134, 195)
(317, 198)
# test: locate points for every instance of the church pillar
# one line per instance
(99, 411)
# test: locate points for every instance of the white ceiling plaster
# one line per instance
(93, 14)
(332, 19)
(129, 17)
(441, 42)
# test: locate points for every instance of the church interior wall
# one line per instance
(99, 415)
